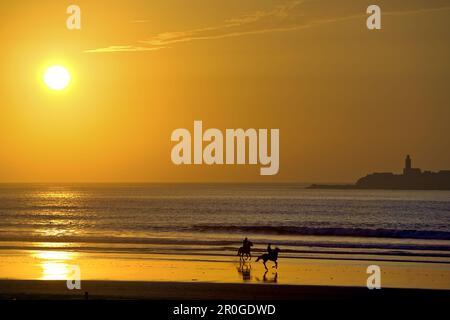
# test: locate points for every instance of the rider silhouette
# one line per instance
(245, 243)
(269, 249)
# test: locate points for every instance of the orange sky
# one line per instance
(347, 100)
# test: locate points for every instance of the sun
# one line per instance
(57, 77)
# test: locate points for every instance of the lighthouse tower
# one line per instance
(407, 168)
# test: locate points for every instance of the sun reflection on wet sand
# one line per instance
(55, 271)
(55, 264)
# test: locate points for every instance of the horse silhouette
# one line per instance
(272, 256)
(245, 250)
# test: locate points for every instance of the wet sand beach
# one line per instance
(47, 270)
(39, 289)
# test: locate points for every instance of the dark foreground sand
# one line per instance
(39, 289)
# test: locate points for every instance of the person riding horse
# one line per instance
(272, 255)
(245, 249)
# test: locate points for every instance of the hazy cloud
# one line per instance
(140, 21)
(292, 15)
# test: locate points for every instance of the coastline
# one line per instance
(315, 186)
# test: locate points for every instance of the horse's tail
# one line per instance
(260, 257)
(239, 252)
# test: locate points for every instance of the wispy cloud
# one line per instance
(255, 23)
(230, 28)
(291, 16)
(123, 49)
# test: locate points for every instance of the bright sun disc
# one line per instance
(56, 77)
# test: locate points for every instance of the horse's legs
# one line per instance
(264, 262)
(276, 265)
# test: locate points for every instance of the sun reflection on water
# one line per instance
(58, 213)
(58, 194)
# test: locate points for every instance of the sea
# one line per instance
(213, 219)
